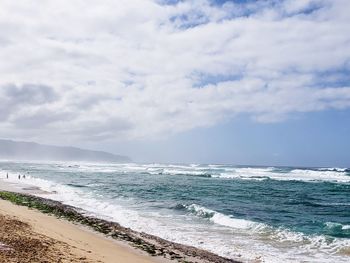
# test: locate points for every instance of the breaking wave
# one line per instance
(282, 235)
(331, 174)
(198, 219)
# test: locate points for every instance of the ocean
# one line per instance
(252, 214)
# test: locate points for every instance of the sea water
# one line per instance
(252, 214)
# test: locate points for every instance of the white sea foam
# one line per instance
(332, 225)
(311, 175)
(222, 234)
(281, 238)
(339, 175)
(334, 169)
(221, 219)
(294, 175)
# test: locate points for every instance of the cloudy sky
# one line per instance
(259, 82)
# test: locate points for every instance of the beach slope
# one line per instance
(30, 236)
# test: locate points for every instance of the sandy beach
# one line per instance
(58, 216)
(36, 229)
(27, 235)
(30, 236)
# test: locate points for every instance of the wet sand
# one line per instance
(20, 187)
(27, 235)
(83, 238)
(30, 236)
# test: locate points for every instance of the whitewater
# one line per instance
(251, 214)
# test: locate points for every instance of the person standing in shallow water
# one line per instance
(19, 177)
(7, 175)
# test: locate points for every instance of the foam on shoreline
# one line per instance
(153, 245)
(235, 238)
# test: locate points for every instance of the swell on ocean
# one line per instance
(275, 214)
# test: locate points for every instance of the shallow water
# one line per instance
(270, 213)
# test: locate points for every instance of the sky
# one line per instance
(200, 81)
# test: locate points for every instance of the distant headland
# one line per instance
(16, 150)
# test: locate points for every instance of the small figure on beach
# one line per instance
(24, 176)
(19, 177)
(7, 175)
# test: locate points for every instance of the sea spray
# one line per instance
(273, 213)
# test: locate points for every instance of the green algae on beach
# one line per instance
(152, 245)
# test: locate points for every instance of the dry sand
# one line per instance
(31, 236)
(45, 238)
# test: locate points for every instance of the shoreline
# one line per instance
(194, 213)
(152, 248)
(27, 235)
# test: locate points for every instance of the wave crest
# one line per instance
(219, 218)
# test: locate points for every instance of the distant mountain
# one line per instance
(33, 151)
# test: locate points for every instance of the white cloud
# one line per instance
(142, 69)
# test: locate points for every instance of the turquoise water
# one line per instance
(270, 213)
